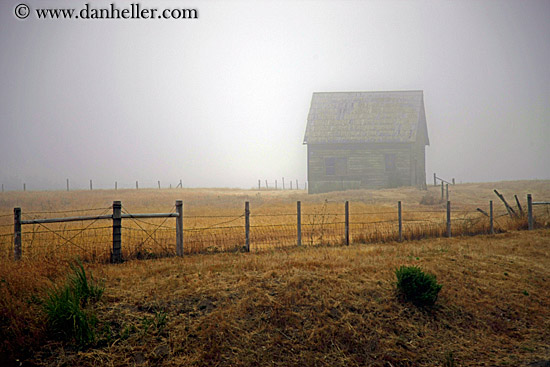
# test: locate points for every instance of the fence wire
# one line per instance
(321, 224)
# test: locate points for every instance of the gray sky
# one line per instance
(222, 100)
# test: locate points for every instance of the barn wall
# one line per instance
(366, 166)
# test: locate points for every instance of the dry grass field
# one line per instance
(320, 305)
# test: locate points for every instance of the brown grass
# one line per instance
(315, 305)
(214, 220)
(326, 306)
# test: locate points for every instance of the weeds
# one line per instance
(65, 307)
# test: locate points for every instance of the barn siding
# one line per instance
(366, 166)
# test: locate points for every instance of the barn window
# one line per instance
(336, 166)
(390, 162)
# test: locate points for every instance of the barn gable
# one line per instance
(366, 117)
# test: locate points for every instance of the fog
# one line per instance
(222, 100)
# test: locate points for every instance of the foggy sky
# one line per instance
(222, 101)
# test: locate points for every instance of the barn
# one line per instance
(366, 140)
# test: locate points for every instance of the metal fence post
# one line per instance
(299, 223)
(116, 256)
(400, 221)
(347, 223)
(179, 228)
(448, 219)
(247, 225)
(17, 233)
(529, 212)
(491, 218)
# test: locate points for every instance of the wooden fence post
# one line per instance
(297, 188)
(491, 218)
(530, 212)
(435, 180)
(283, 183)
(442, 190)
(116, 185)
(259, 186)
(24, 187)
(137, 187)
(17, 234)
(116, 256)
(299, 223)
(447, 191)
(453, 180)
(2, 187)
(347, 223)
(275, 184)
(266, 185)
(400, 221)
(67, 184)
(519, 206)
(91, 187)
(448, 219)
(247, 225)
(290, 184)
(179, 228)
(159, 184)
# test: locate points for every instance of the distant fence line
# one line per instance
(262, 185)
(291, 233)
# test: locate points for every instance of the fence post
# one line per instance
(247, 225)
(347, 223)
(435, 180)
(400, 221)
(447, 191)
(116, 185)
(159, 184)
(442, 190)
(24, 187)
(259, 186)
(297, 188)
(491, 220)
(91, 188)
(453, 181)
(67, 184)
(275, 184)
(283, 183)
(17, 234)
(519, 206)
(137, 187)
(266, 185)
(179, 228)
(448, 218)
(299, 224)
(290, 184)
(116, 256)
(529, 212)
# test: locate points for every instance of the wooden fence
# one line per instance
(117, 216)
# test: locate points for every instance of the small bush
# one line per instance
(64, 307)
(416, 286)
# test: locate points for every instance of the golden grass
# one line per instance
(315, 305)
(214, 219)
(326, 306)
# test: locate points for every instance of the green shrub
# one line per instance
(65, 307)
(416, 286)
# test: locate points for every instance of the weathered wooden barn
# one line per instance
(366, 140)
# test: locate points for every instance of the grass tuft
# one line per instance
(416, 286)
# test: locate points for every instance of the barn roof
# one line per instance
(366, 117)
